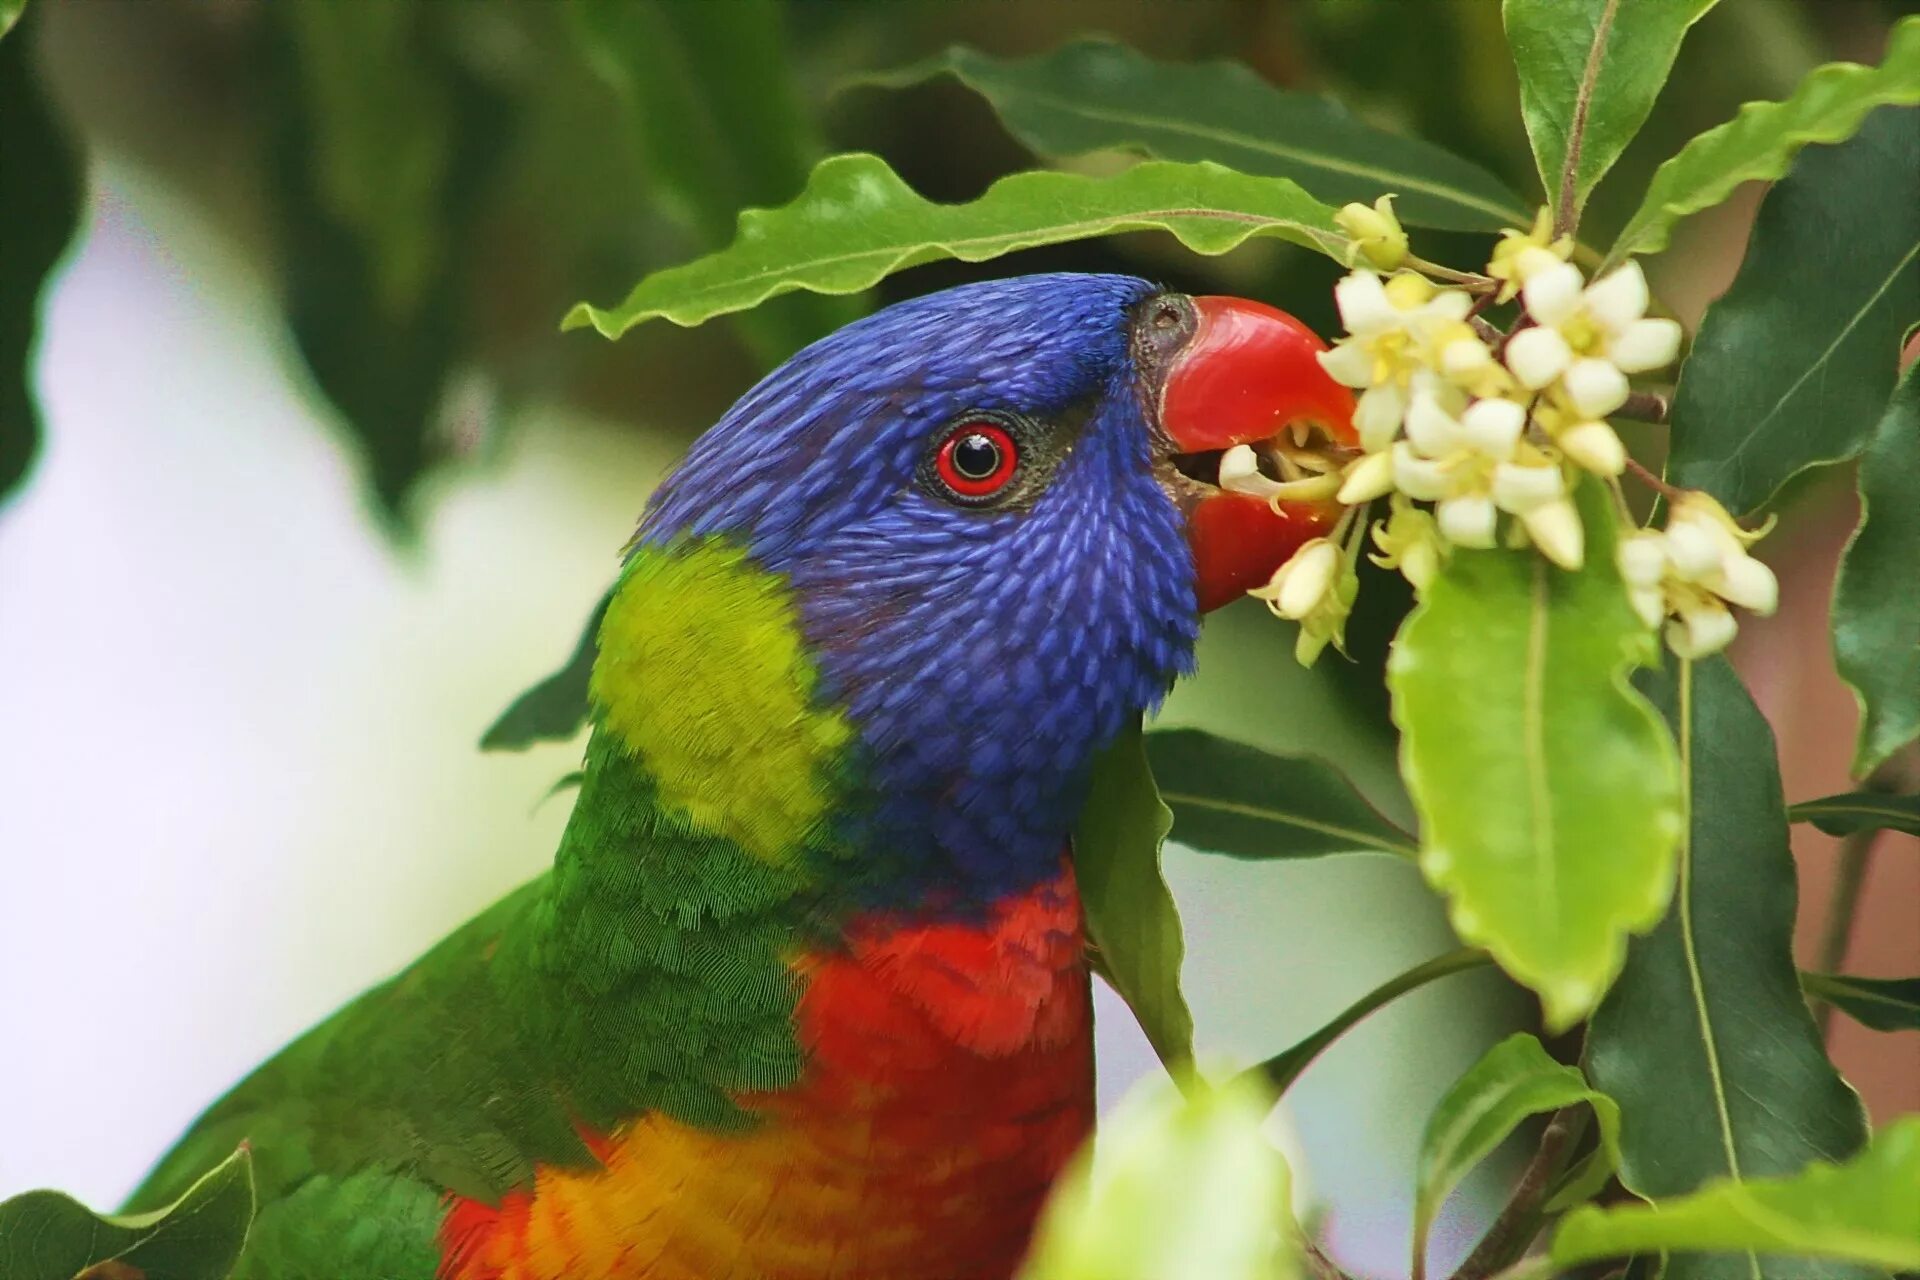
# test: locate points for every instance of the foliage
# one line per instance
(1605, 821)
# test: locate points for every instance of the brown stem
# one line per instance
(1519, 1222)
(1849, 878)
(1470, 280)
(1323, 1267)
(1645, 406)
(1652, 481)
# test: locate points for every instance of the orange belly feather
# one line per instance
(949, 1077)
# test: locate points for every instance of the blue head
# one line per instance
(973, 498)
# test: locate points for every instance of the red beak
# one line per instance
(1249, 373)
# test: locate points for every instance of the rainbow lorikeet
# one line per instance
(804, 993)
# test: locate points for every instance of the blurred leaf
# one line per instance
(1866, 1210)
(1884, 1004)
(1131, 916)
(40, 191)
(1546, 787)
(1589, 72)
(380, 166)
(1094, 95)
(1705, 1040)
(10, 11)
(1231, 798)
(47, 1236)
(1762, 139)
(857, 222)
(1876, 611)
(709, 90)
(1285, 1067)
(554, 709)
(1186, 1185)
(1793, 366)
(1861, 811)
(1512, 1081)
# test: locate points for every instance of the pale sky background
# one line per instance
(239, 765)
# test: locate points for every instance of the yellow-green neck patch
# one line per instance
(704, 676)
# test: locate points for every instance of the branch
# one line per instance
(1519, 1222)
(1645, 406)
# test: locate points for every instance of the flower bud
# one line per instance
(1368, 478)
(1304, 581)
(1748, 583)
(1467, 521)
(1377, 235)
(1555, 529)
(1595, 447)
(1701, 630)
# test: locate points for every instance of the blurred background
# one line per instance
(320, 486)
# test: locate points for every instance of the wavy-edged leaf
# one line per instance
(554, 709)
(709, 92)
(1884, 1004)
(857, 223)
(1589, 72)
(1131, 917)
(1793, 366)
(1228, 797)
(1094, 95)
(1761, 141)
(1186, 1185)
(1547, 790)
(40, 193)
(1866, 1210)
(1876, 611)
(1512, 1081)
(1705, 1041)
(1285, 1067)
(1860, 811)
(48, 1236)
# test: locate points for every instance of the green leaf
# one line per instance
(1759, 142)
(380, 163)
(1131, 917)
(48, 1236)
(1860, 811)
(10, 11)
(857, 222)
(1706, 1042)
(1884, 1004)
(1095, 95)
(40, 192)
(1511, 1081)
(554, 709)
(1866, 1210)
(1876, 612)
(1793, 366)
(1186, 1185)
(1548, 797)
(1285, 1067)
(1589, 72)
(709, 93)
(1231, 798)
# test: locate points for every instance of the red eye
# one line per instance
(977, 459)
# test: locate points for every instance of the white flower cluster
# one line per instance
(1480, 426)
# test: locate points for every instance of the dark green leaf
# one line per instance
(709, 91)
(1876, 611)
(1865, 1211)
(1589, 72)
(1792, 368)
(1759, 142)
(10, 11)
(40, 193)
(47, 1236)
(380, 165)
(1512, 1081)
(1131, 917)
(1231, 798)
(1706, 1042)
(1884, 1004)
(1285, 1067)
(1548, 795)
(554, 709)
(1093, 95)
(857, 223)
(1861, 811)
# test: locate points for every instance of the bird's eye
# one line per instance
(976, 460)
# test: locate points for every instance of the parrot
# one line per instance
(805, 992)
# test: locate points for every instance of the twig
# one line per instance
(1318, 1262)
(1519, 1222)
(1470, 280)
(1645, 406)
(1653, 482)
(1849, 878)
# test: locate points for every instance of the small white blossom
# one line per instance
(1316, 588)
(1593, 334)
(1691, 571)
(1392, 326)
